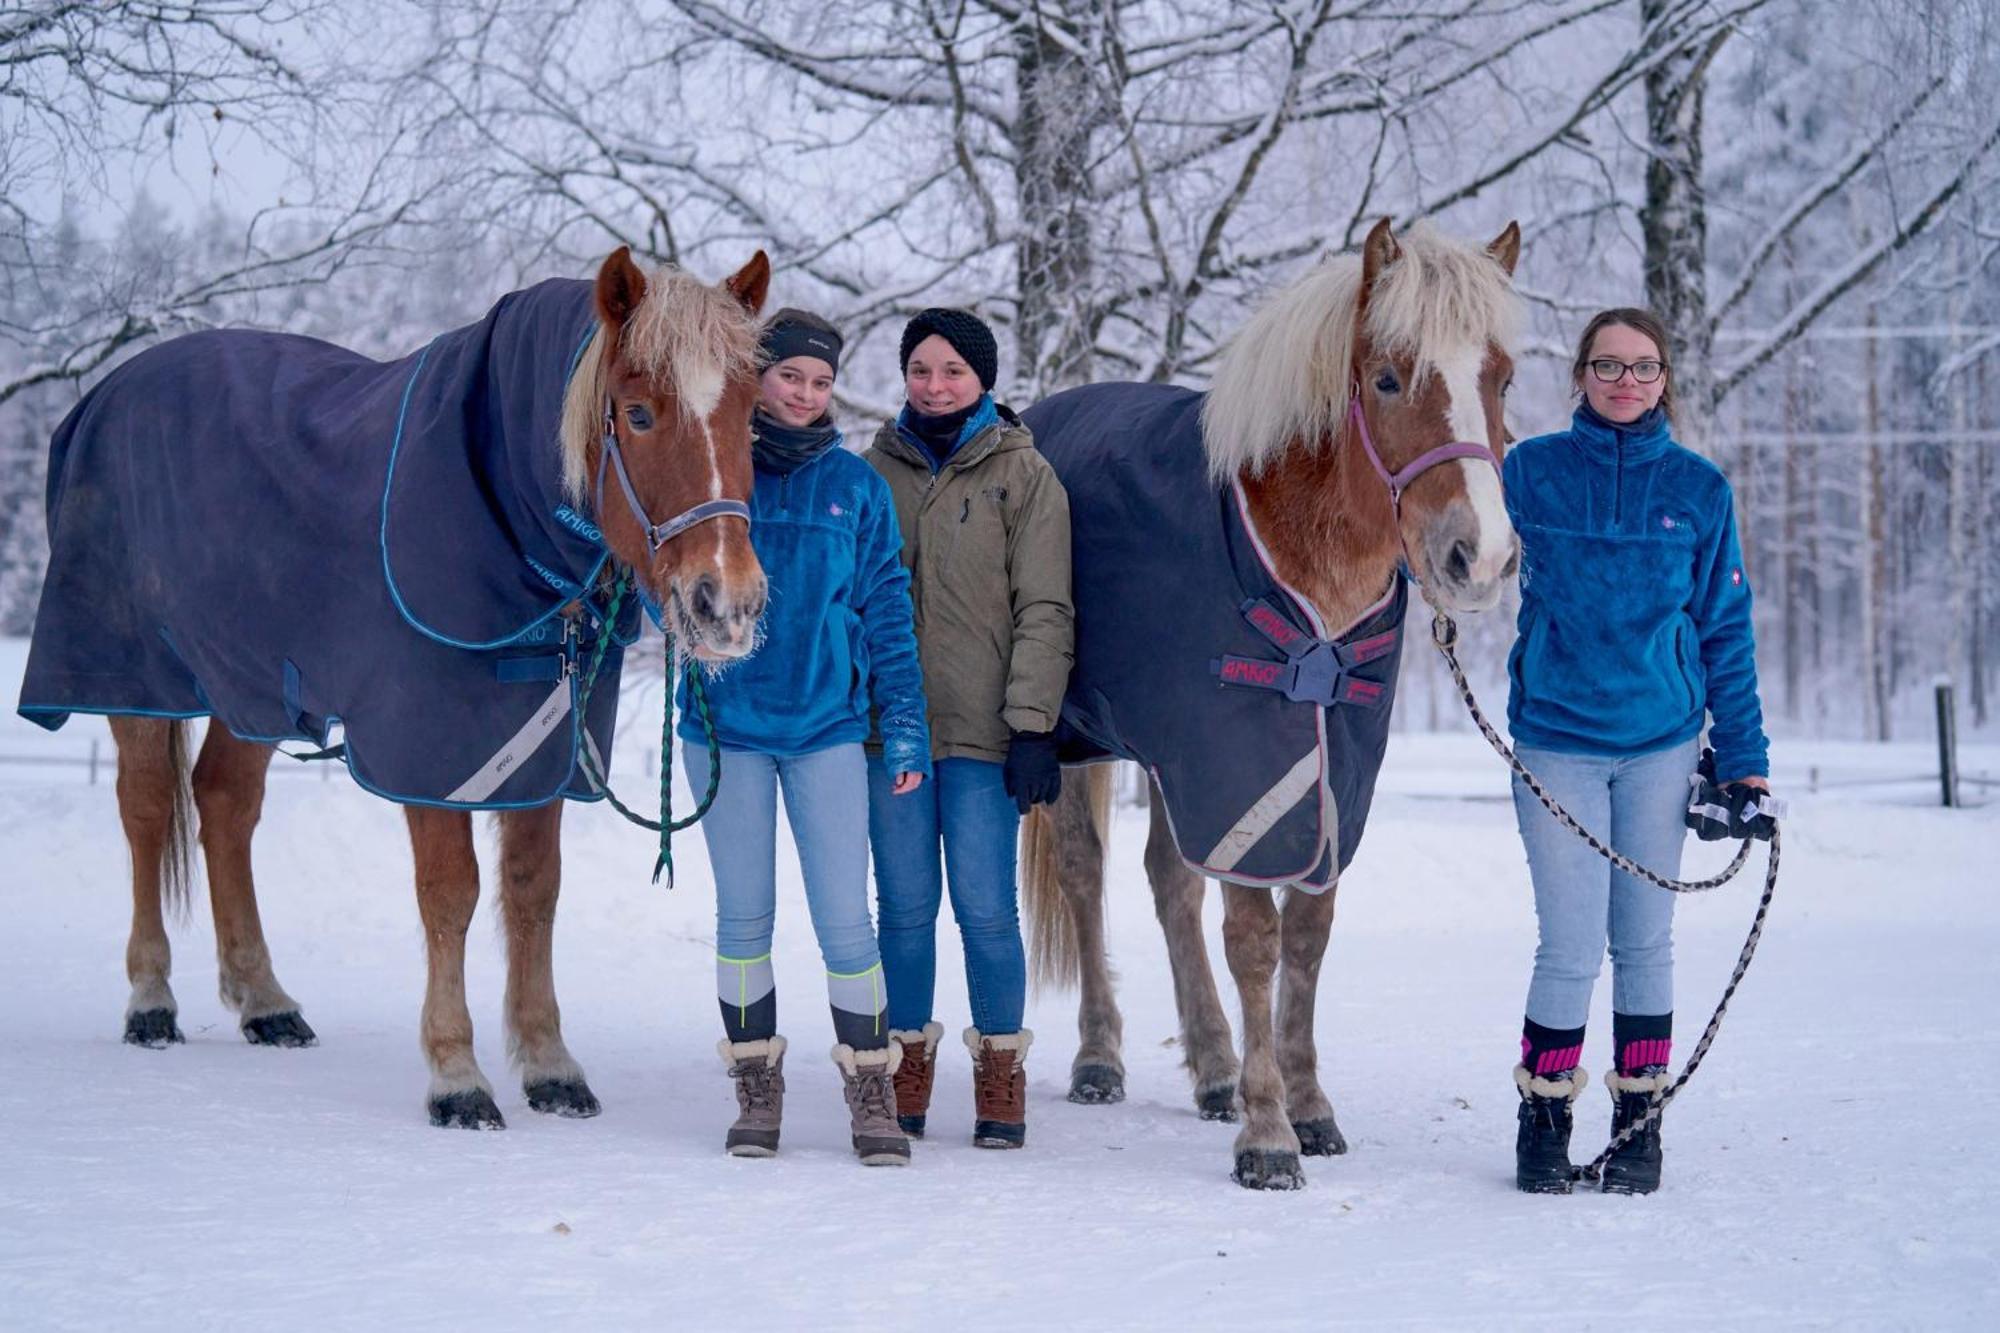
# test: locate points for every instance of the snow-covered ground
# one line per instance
(1828, 1166)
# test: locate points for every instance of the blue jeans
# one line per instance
(825, 799)
(1636, 803)
(965, 806)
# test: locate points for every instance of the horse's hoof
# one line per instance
(1319, 1138)
(563, 1096)
(286, 1029)
(1216, 1103)
(1096, 1085)
(154, 1029)
(1268, 1169)
(471, 1108)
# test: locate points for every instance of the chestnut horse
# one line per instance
(670, 373)
(1413, 340)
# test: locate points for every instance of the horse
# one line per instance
(289, 537)
(1354, 429)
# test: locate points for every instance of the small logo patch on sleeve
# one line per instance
(1736, 578)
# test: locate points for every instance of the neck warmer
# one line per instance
(776, 447)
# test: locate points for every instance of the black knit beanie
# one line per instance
(966, 332)
(791, 333)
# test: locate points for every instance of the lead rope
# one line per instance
(1444, 633)
(666, 825)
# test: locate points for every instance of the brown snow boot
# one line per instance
(999, 1088)
(914, 1075)
(758, 1068)
(871, 1102)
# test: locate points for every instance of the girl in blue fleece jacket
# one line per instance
(1634, 629)
(837, 637)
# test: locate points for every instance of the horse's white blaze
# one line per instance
(1466, 416)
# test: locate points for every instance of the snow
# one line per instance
(1827, 1166)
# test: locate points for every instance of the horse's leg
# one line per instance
(1205, 1038)
(1081, 813)
(1308, 919)
(1267, 1151)
(229, 794)
(152, 760)
(447, 894)
(530, 879)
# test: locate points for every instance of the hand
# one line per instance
(906, 783)
(1742, 793)
(1031, 774)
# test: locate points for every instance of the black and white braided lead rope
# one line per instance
(1444, 634)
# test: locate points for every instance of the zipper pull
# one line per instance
(965, 512)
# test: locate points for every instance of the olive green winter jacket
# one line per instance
(986, 541)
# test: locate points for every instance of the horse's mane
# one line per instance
(1287, 374)
(695, 335)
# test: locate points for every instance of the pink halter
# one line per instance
(1399, 480)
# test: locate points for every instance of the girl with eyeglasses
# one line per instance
(1634, 632)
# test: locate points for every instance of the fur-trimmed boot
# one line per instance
(999, 1088)
(758, 1068)
(871, 1104)
(915, 1075)
(1541, 1146)
(1635, 1167)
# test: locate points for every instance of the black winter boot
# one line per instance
(1635, 1167)
(1541, 1147)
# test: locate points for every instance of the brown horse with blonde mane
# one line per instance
(1354, 429)
(658, 393)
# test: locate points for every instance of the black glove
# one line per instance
(1031, 773)
(1736, 811)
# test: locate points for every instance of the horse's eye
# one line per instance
(639, 417)
(1386, 382)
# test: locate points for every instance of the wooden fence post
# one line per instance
(1947, 734)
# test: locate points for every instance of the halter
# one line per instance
(657, 534)
(1399, 480)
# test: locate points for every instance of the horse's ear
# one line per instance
(751, 283)
(1506, 248)
(621, 286)
(1377, 253)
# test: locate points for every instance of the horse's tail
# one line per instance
(1053, 953)
(177, 864)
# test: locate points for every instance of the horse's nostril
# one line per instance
(1459, 564)
(702, 599)
(1513, 565)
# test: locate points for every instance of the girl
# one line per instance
(1634, 627)
(986, 536)
(837, 637)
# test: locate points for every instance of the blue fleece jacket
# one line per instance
(1635, 612)
(837, 633)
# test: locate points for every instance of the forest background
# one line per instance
(1808, 191)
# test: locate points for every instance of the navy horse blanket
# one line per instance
(292, 538)
(1263, 731)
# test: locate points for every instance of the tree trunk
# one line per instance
(1874, 561)
(1674, 220)
(1059, 109)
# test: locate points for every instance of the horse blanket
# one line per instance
(1264, 732)
(291, 537)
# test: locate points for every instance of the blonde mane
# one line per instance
(1287, 374)
(696, 336)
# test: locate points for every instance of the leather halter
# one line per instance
(1399, 480)
(657, 534)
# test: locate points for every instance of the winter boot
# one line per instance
(758, 1067)
(871, 1103)
(914, 1075)
(1541, 1147)
(1635, 1167)
(999, 1088)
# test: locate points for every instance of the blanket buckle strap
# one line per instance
(1315, 670)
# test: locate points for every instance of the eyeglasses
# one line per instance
(1609, 371)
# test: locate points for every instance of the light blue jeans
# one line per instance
(826, 802)
(1637, 804)
(966, 809)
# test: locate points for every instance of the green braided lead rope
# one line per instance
(666, 826)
